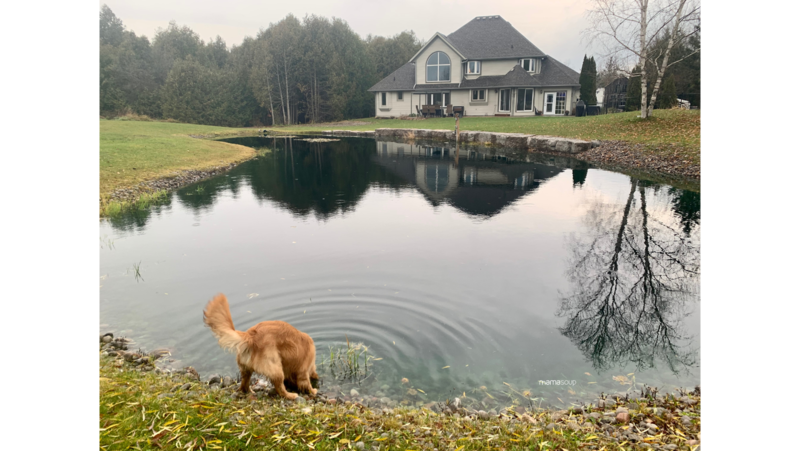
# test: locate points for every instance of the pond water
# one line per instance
(505, 276)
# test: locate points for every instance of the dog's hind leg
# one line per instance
(304, 385)
(274, 371)
(277, 381)
(246, 374)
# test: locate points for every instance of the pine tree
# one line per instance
(667, 98)
(588, 81)
(594, 82)
(633, 101)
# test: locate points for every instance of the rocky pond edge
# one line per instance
(649, 420)
(618, 155)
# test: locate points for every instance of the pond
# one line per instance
(499, 275)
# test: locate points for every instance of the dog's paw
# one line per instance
(291, 396)
(313, 392)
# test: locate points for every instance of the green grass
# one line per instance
(136, 151)
(144, 201)
(665, 131)
(144, 410)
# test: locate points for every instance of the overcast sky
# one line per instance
(552, 25)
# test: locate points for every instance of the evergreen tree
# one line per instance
(667, 97)
(594, 81)
(633, 101)
(588, 81)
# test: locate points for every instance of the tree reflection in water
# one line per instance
(632, 277)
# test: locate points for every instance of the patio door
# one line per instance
(438, 98)
(505, 100)
(549, 103)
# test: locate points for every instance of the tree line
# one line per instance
(313, 69)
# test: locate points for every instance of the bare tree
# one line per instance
(628, 30)
(632, 276)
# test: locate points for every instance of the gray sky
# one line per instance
(554, 26)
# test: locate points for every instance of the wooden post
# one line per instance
(457, 116)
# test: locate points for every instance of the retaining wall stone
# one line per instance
(513, 140)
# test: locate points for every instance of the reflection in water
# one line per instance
(326, 179)
(478, 182)
(632, 275)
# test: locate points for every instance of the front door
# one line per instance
(505, 100)
(549, 102)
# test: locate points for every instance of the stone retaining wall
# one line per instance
(539, 143)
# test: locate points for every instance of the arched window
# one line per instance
(438, 68)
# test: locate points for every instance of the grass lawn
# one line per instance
(134, 151)
(665, 128)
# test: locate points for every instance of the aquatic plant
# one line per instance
(351, 361)
(105, 241)
(136, 274)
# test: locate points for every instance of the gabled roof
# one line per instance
(553, 74)
(491, 37)
(430, 41)
(400, 80)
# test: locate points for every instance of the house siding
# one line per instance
(394, 107)
(437, 45)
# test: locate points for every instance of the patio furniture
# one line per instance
(459, 110)
(419, 112)
(449, 110)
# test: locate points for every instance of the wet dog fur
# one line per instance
(272, 348)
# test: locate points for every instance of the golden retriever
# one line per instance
(272, 348)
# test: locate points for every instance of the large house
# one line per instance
(487, 67)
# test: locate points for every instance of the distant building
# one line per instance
(614, 95)
(487, 68)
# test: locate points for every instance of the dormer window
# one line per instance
(473, 67)
(438, 67)
(529, 64)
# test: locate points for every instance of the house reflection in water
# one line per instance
(477, 182)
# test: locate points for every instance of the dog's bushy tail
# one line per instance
(217, 316)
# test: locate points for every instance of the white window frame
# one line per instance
(437, 66)
(523, 97)
(383, 99)
(472, 96)
(563, 106)
(532, 64)
(399, 95)
(477, 65)
(429, 98)
(553, 104)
